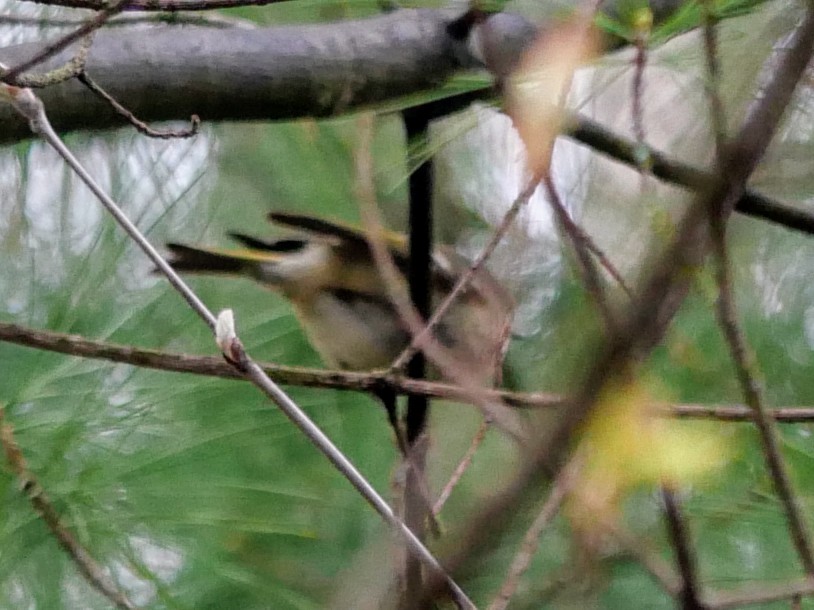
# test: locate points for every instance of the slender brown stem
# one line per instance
(373, 382)
(124, 20)
(169, 6)
(661, 296)
(751, 203)
(760, 593)
(753, 394)
(531, 539)
(713, 76)
(639, 64)
(422, 338)
(660, 569)
(393, 281)
(90, 570)
(106, 12)
(690, 595)
(69, 70)
(461, 468)
(585, 264)
(141, 126)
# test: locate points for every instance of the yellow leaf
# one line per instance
(628, 443)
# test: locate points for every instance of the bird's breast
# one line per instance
(351, 330)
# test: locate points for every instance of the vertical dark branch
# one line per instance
(419, 278)
(420, 184)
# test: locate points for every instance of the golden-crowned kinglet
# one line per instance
(327, 272)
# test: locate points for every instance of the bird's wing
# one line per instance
(278, 245)
(321, 227)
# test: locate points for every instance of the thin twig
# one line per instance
(716, 105)
(394, 283)
(10, 75)
(25, 102)
(690, 595)
(90, 570)
(169, 6)
(585, 264)
(214, 20)
(63, 73)
(603, 259)
(531, 539)
(141, 126)
(372, 382)
(751, 203)
(740, 413)
(661, 570)
(461, 468)
(661, 295)
(639, 65)
(760, 593)
(30, 106)
(421, 339)
(745, 369)
(417, 502)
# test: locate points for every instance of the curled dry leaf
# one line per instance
(537, 89)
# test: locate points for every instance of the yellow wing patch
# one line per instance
(246, 254)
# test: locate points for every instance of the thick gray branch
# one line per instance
(264, 74)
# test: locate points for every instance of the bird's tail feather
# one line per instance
(199, 260)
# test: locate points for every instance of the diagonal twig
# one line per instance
(460, 469)
(421, 339)
(397, 293)
(760, 593)
(90, 570)
(750, 203)
(141, 126)
(585, 264)
(753, 395)
(67, 71)
(663, 291)
(690, 594)
(716, 105)
(727, 318)
(169, 6)
(10, 74)
(127, 19)
(27, 104)
(531, 539)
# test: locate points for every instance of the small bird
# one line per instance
(327, 272)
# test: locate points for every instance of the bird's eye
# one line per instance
(288, 245)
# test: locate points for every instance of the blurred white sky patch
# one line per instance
(481, 165)
(163, 562)
(484, 170)
(51, 224)
(20, 595)
(488, 170)
(30, 31)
